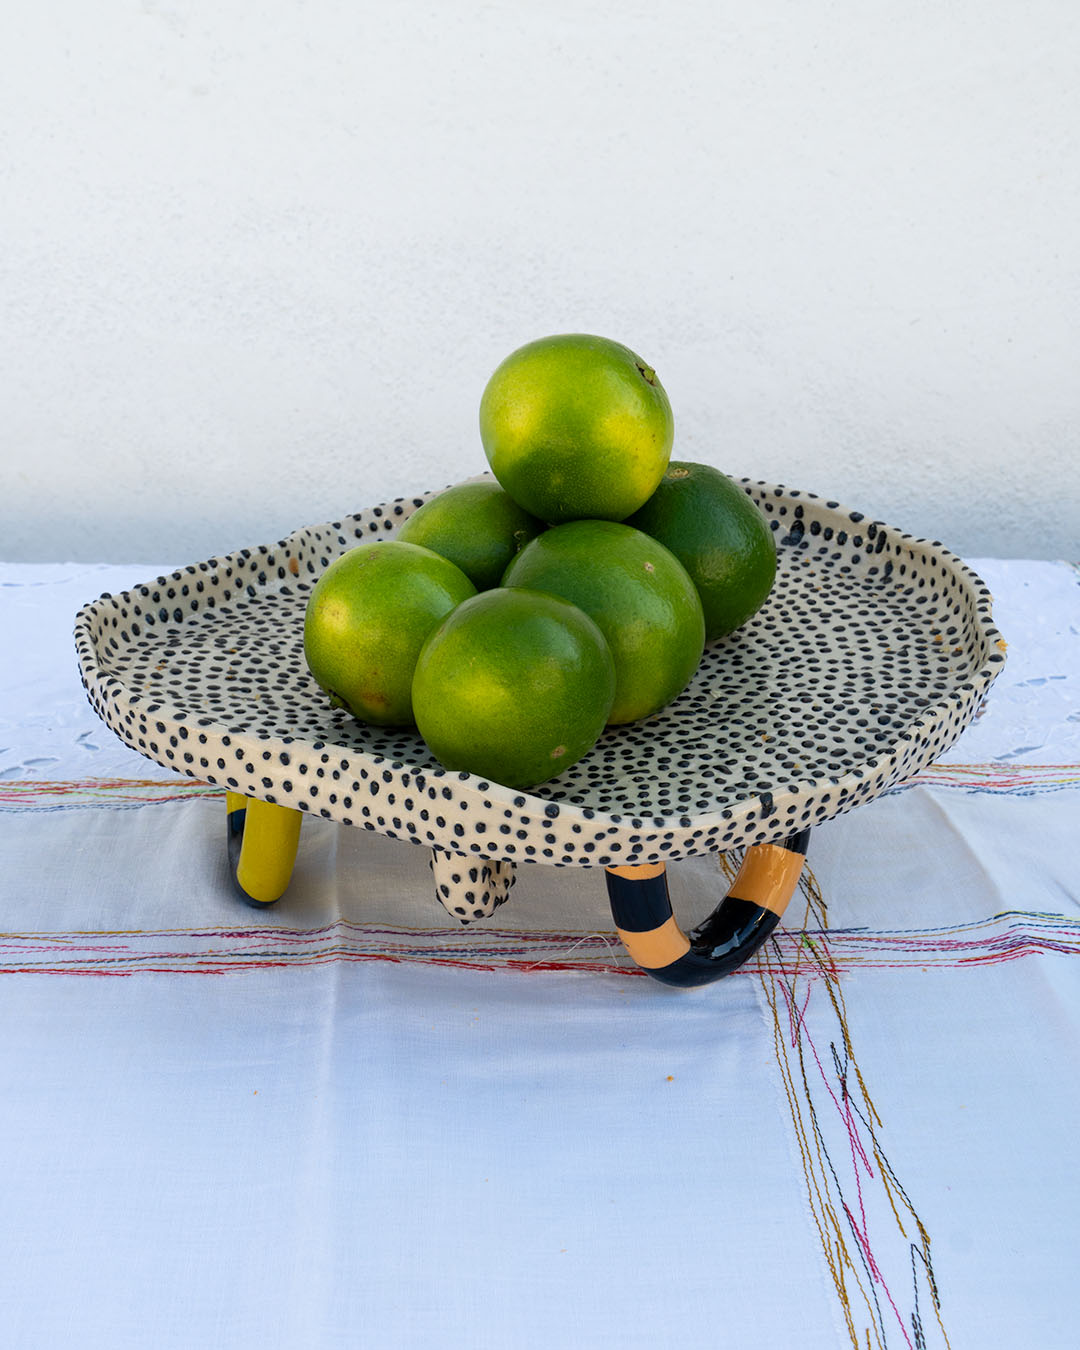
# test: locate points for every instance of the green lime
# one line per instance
(368, 616)
(719, 536)
(478, 526)
(576, 427)
(513, 686)
(639, 596)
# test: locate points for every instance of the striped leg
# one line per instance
(735, 929)
(262, 841)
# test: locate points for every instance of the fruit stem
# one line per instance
(647, 374)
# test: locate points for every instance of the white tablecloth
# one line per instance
(347, 1121)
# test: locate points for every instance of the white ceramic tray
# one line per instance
(871, 655)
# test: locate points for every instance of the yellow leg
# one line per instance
(262, 846)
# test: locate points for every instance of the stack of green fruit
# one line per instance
(512, 621)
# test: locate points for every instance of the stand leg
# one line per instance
(736, 928)
(471, 888)
(262, 840)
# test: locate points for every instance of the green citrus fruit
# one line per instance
(576, 427)
(366, 620)
(640, 597)
(513, 686)
(478, 526)
(719, 536)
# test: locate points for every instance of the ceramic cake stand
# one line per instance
(871, 655)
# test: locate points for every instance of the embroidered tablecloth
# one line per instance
(348, 1121)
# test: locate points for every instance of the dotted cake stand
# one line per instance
(871, 655)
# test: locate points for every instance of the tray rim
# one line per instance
(850, 787)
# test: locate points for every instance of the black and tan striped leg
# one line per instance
(736, 928)
(262, 839)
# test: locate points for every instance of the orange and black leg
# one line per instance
(262, 839)
(736, 928)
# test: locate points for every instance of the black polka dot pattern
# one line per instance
(869, 658)
(471, 888)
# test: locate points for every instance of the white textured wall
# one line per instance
(258, 261)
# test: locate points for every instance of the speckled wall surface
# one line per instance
(258, 263)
